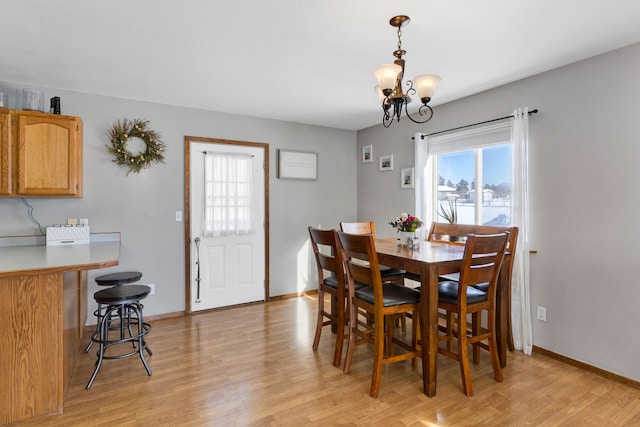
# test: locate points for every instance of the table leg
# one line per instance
(502, 316)
(429, 328)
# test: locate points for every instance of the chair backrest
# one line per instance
(443, 232)
(368, 227)
(327, 253)
(355, 249)
(481, 262)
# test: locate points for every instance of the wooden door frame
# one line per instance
(187, 208)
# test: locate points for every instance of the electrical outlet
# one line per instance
(178, 216)
(153, 288)
(542, 313)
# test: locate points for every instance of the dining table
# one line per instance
(430, 260)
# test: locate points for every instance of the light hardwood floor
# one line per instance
(254, 365)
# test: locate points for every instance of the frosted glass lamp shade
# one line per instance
(387, 75)
(426, 85)
(381, 96)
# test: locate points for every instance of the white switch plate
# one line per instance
(153, 288)
(178, 216)
(542, 313)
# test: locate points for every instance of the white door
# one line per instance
(226, 269)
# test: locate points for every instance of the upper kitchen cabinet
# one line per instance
(6, 153)
(41, 154)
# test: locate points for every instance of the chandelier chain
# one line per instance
(399, 38)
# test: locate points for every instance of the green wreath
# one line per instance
(121, 132)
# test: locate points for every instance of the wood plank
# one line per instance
(253, 365)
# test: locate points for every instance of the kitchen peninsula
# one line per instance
(43, 311)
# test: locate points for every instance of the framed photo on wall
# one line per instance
(297, 165)
(406, 178)
(367, 154)
(386, 163)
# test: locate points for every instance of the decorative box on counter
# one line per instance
(68, 235)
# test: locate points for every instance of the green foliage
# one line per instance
(450, 213)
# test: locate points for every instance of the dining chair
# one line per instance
(384, 300)
(481, 263)
(456, 233)
(328, 260)
(393, 275)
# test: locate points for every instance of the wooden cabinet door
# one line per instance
(6, 153)
(49, 155)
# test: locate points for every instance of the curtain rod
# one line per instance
(473, 124)
(225, 152)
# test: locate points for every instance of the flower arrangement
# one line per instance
(406, 222)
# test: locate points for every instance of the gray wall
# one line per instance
(584, 158)
(142, 206)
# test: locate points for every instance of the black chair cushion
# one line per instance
(386, 271)
(455, 277)
(452, 277)
(332, 281)
(392, 295)
(484, 287)
(448, 293)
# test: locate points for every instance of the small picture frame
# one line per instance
(386, 163)
(367, 154)
(406, 178)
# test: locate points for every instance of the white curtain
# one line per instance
(227, 194)
(423, 189)
(520, 295)
(425, 151)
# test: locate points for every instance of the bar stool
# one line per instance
(112, 279)
(118, 279)
(123, 303)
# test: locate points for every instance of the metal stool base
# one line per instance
(129, 314)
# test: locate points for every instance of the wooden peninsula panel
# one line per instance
(31, 351)
(43, 309)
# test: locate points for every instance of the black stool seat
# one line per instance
(117, 279)
(122, 294)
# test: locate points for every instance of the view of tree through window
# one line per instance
(459, 174)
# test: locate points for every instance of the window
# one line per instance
(227, 194)
(478, 182)
(471, 171)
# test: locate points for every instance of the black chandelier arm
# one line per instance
(411, 90)
(387, 118)
(424, 110)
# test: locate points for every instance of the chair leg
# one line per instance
(389, 333)
(493, 350)
(463, 354)
(353, 323)
(450, 319)
(415, 335)
(320, 320)
(377, 357)
(337, 353)
(476, 325)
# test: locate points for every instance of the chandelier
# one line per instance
(389, 87)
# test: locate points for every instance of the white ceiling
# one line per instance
(297, 60)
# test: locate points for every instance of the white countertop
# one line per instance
(29, 255)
